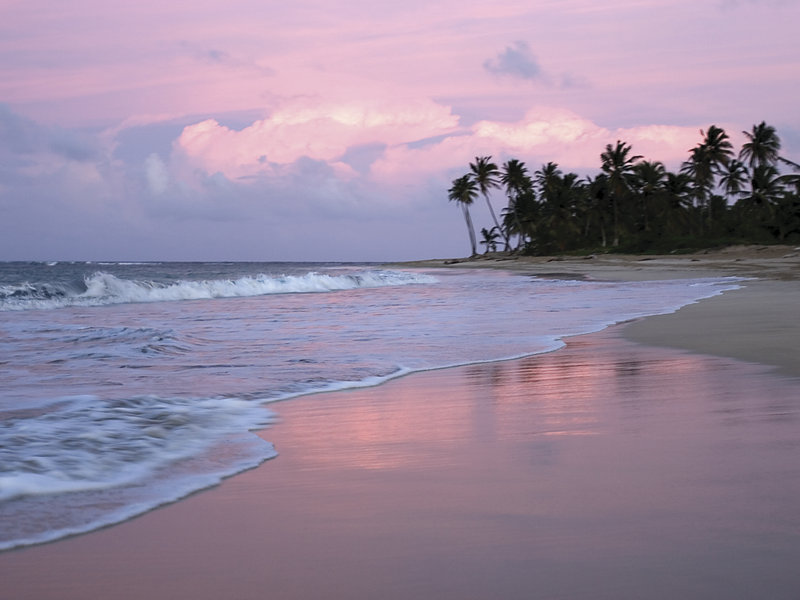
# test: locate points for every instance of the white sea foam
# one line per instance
(103, 288)
(65, 449)
(90, 451)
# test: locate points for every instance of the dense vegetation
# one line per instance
(635, 205)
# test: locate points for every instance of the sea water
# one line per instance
(125, 386)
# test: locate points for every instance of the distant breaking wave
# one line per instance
(104, 288)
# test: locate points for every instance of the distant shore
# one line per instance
(773, 262)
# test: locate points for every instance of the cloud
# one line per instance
(516, 60)
(32, 154)
(326, 132)
(544, 134)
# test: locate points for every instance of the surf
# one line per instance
(103, 288)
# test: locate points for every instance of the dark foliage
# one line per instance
(636, 205)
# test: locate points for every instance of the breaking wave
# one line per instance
(103, 288)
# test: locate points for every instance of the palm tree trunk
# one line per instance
(472, 241)
(517, 222)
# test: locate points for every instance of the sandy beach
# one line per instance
(656, 460)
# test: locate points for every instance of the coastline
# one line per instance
(753, 324)
(613, 468)
(770, 262)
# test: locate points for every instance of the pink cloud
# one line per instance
(325, 132)
(544, 134)
(317, 131)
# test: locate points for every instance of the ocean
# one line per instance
(126, 386)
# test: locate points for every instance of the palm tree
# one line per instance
(547, 178)
(762, 147)
(649, 177)
(707, 161)
(597, 206)
(464, 191)
(486, 175)
(719, 146)
(679, 193)
(561, 196)
(699, 168)
(517, 182)
(766, 185)
(524, 218)
(733, 178)
(489, 239)
(618, 166)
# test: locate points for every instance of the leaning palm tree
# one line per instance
(618, 165)
(486, 176)
(762, 146)
(463, 192)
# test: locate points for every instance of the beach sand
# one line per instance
(654, 460)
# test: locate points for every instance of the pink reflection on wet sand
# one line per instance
(605, 470)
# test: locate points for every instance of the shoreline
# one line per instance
(771, 262)
(621, 466)
(752, 324)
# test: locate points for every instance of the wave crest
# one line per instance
(103, 288)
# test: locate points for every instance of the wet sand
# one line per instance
(610, 469)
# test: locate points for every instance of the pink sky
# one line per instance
(258, 130)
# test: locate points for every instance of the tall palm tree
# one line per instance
(617, 164)
(596, 206)
(463, 192)
(547, 178)
(679, 193)
(762, 146)
(486, 176)
(525, 217)
(515, 177)
(706, 161)
(649, 177)
(561, 195)
(699, 168)
(517, 182)
(719, 147)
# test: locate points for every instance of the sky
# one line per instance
(315, 131)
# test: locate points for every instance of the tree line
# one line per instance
(716, 197)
